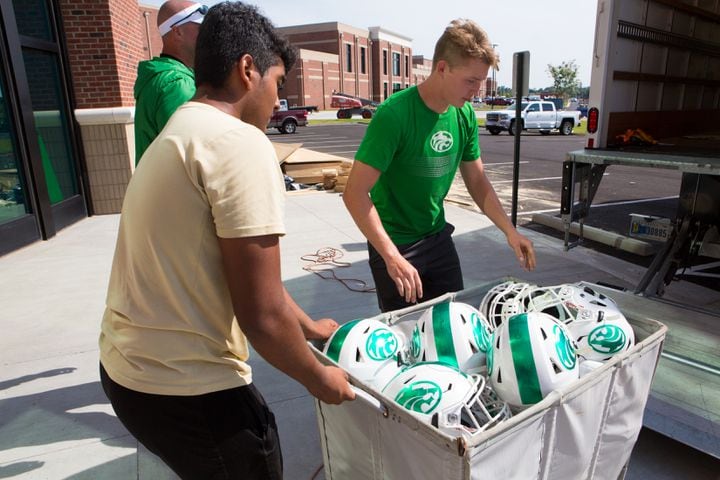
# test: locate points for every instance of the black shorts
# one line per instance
(436, 260)
(230, 434)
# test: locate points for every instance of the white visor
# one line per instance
(194, 13)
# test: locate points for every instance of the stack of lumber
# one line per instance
(342, 177)
(308, 166)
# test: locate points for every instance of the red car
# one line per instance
(497, 101)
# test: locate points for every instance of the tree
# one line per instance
(565, 81)
(504, 91)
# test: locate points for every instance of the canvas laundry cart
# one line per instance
(585, 431)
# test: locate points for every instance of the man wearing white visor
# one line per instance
(166, 82)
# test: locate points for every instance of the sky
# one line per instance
(553, 31)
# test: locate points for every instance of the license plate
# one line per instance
(649, 227)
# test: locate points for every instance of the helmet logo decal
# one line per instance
(607, 339)
(421, 397)
(564, 348)
(381, 344)
(415, 343)
(482, 336)
(441, 141)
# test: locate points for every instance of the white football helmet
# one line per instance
(368, 349)
(532, 355)
(499, 303)
(448, 399)
(453, 333)
(597, 325)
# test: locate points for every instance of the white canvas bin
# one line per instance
(585, 431)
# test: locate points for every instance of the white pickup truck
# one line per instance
(540, 116)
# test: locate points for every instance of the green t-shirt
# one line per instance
(417, 152)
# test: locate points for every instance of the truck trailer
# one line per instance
(655, 103)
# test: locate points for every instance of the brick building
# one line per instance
(392, 53)
(313, 79)
(346, 67)
(421, 69)
(67, 106)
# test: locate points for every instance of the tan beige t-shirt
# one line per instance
(169, 326)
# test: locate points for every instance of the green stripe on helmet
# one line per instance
(337, 340)
(444, 344)
(523, 360)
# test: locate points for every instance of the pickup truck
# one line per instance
(308, 108)
(541, 116)
(287, 121)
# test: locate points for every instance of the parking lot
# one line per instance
(647, 191)
(623, 190)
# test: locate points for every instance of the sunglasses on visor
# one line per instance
(193, 13)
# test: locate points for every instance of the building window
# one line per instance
(362, 59)
(348, 57)
(396, 87)
(385, 92)
(407, 67)
(396, 64)
(385, 64)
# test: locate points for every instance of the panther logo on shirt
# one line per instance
(441, 141)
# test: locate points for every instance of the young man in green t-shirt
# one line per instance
(406, 164)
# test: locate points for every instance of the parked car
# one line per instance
(287, 121)
(497, 101)
(542, 116)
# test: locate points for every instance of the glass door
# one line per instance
(41, 187)
(13, 189)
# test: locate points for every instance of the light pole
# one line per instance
(493, 85)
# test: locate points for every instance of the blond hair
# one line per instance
(464, 39)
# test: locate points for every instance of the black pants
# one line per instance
(230, 434)
(436, 261)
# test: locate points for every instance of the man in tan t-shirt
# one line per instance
(196, 272)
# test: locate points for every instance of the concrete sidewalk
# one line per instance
(55, 421)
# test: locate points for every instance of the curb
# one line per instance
(621, 242)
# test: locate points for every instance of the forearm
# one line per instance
(278, 337)
(304, 320)
(368, 221)
(262, 310)
(484, 195)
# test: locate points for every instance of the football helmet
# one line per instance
(532, 355)
(367, 349)
(450, 400)
(597, 325)
(454, 333)
(499, 303)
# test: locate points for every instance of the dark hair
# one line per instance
(231, 30)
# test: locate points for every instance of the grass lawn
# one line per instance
(579, 129)
(335, 121)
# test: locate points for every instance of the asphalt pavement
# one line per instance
(55, 422)
(540, 167)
